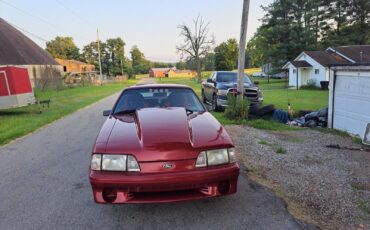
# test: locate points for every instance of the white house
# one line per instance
(314, 66)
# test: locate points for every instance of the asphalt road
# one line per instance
(44, 185)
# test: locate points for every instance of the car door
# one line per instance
(209, 87)
(213, 86)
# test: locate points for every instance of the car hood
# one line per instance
(161, 134)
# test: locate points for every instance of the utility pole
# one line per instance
(242, 45)
(101, 75)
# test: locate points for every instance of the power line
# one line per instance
(28, 32)
(74, 13)
(34, 16)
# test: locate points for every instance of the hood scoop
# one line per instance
(164, 128)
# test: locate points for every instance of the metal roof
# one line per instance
(18, 49)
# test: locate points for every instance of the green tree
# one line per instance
(181, 65)
(115, 48)
(63, 47)
(139, 64)
(226, 55)
(90, 53)
(209, 62)
(292, 26)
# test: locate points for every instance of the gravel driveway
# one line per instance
(329, 187)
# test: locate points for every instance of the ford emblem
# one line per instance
(167, 165)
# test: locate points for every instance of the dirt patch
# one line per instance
(328, 187)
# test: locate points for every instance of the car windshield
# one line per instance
(134, 99)
(231, 77)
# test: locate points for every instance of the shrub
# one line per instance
(237, 109)
(311, 84)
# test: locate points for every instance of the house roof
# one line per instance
(160, 69)
(18, 49)
(59, 60)
(357, 53)
(301, 64)
(327, 58)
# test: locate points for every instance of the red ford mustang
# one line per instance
(159, 144)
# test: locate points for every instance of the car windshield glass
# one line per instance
(231, 77)
(163, 97)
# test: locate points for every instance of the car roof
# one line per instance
(147, 86)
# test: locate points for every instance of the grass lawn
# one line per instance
(20, 121)
(274, 92)
(277, 94)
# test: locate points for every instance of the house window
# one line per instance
(317, 71)
(294, 71)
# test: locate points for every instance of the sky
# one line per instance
(152, 25)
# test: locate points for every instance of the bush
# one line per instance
(236, 110)
(311, 84)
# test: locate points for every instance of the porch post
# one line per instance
(297, 78)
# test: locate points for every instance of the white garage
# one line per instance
(349, 99)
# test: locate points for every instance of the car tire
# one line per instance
(268, 109)
(204, 97)
(253, 108)
(214, 103)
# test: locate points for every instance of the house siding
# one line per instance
(323, 74)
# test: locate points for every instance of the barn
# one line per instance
(349, 98)
(16, 49)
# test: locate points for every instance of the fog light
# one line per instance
(223, 187)
(109, 195)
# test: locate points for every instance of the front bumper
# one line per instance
(164, 187)
(222, 101)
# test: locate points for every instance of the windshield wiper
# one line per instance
(128, 111)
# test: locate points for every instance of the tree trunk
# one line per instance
(199, 70)
(242, 45)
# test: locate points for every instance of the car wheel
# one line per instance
(268, 109)
(253, 108)
(204, 97)
(214, 103)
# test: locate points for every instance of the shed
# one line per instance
(349, 98)
(15, 87)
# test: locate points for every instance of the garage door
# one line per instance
(352, 102)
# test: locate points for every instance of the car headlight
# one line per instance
(110, 162)
(216, 157)
(222, 92)
(114, 162)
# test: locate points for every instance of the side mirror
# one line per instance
(209, 80)
(256, 82)
(106, 113)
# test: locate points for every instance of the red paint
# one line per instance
(17, 78)
(3, 85)
(156, 136)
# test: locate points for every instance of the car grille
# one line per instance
(251, 94)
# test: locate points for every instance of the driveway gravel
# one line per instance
(330, 187)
